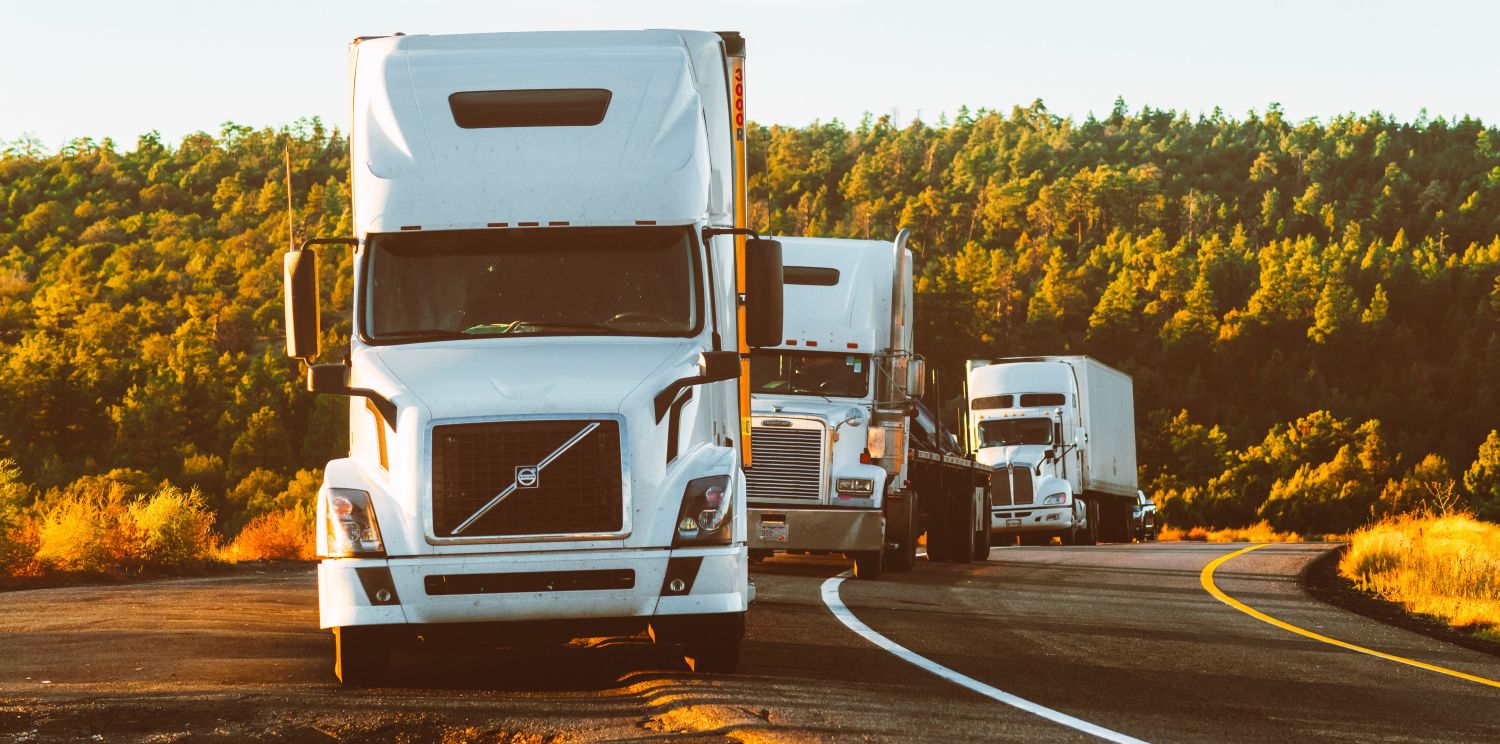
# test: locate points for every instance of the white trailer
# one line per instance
(554, 302)
(846, 460)
(1060, 431)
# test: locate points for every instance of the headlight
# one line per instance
(1056, 498)
(855, 486)
(351, 525)
(704, 516)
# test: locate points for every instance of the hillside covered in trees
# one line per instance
(1309, 309)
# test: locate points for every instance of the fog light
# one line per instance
(677, 585)
(383, 595)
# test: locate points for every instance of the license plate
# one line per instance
(1012, 523)
(773, 531)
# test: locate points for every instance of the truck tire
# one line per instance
(1116, 522)
(868, 564)
(361, 658)
(1089, 534)
(904, 557)
(961, 526)
(982, 535)
(711, 643)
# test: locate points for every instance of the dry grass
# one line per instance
(1446, 566)
(1260, 532)
(283, 535)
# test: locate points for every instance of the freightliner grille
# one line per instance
(785, 463)
(1011, 487)
(577, 492)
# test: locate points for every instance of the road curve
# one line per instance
(1123, 637)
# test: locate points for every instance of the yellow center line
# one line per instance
(1206, 578)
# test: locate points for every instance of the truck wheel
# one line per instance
(963, 534)
(904, 557)
(711, 643)
(1089, 534)
(868, 564)
(360, 657)
(982, 535)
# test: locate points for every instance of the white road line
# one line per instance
(845, 616)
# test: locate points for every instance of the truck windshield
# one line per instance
(637, 281)
(809, 373)
(1012, 431)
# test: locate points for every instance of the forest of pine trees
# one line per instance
(1308, 308)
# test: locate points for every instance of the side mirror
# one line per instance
(763, 292)
(300, 280)
(916, 378)
(328, 378)
(333, 379)
(718, 366)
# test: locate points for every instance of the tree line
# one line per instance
(1308, 308)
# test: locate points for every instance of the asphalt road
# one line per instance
(1122, 637)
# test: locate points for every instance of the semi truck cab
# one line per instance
(554, 300)
(1060, 433)
(838, 465)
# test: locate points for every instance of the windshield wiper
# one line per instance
(430, 333)
(528, 326)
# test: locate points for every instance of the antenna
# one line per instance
(291, 214)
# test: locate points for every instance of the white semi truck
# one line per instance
(846, 460)
(554, 302)
(1060, 433)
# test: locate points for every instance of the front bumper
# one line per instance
(1015, 520)
(561, 585)
(836, 530)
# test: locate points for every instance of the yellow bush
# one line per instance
(285, 535)
(108, 532)
(171, 529)
(1444, 566)
(86, 534)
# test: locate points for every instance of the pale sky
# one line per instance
(110, 68)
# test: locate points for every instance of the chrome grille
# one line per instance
(785, 464)
(577, 491)
(1011, 487)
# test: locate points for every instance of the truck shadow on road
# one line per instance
(588, 665)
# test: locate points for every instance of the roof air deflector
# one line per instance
(556, 107)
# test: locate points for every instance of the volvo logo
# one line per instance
(776, 422)
(526, 476)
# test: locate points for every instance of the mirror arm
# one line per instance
(712, 232)
(382, 404)
(727, 364)
(327, 241)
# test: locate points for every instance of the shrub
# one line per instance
(172, 529)
(86, 534)
(108, 532)
(18, 531)
(285, 535)
(1259, 532)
